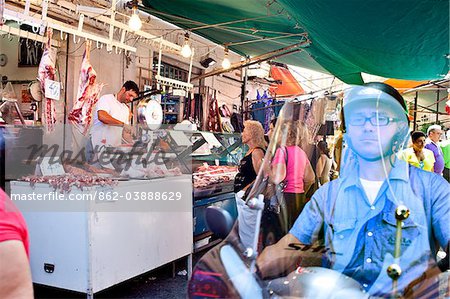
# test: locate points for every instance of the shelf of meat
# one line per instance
(85, 175)
(209, 180)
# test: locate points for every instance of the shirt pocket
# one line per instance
(410, 232)
(342, 230)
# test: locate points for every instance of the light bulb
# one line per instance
(226, 64)
(135, 22)
(186, 50)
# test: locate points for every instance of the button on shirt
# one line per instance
(361, 236)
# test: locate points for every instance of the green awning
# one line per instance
(259, 26)
(406, 39)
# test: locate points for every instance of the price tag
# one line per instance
(52, 89)
(51, 168)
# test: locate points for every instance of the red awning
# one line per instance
(289, 86)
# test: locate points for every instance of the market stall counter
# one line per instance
(92, 227)
(104, 235)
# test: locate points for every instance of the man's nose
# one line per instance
(368, 125)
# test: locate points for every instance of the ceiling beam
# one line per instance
(418, 88)
(257, 59)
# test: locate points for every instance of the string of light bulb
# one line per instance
(186, 50)
(135, 22)
(226, 64)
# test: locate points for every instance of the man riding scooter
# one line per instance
(380, 223)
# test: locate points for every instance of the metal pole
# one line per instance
(415, 111)
(65, 94)
(394, 270)
(159, 63)
(437, 106)
(244, 92)
(190, 67)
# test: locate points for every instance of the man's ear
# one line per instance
(348, 141)
(120, 93)
(402, 137)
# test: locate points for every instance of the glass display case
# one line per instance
(215, 160)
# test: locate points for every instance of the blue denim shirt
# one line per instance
(361, 236)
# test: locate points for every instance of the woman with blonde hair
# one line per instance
(291, 165)
(253, 136)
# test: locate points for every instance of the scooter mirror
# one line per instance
(219, 221)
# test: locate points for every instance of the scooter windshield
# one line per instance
(336, 212)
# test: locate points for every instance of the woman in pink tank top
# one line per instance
(290, 164)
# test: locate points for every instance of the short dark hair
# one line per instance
(131, 85)
(416, 135)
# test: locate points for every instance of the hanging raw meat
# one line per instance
(47, 72)
(87, 96)
(2, 8)
(447, 106)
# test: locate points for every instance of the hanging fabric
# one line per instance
(303, 112)
(192, 109)
(225, 111)
(257, 112)
(198, 113)
(278, 104)
(214, 122)
(237, 122)
(269, 112)
(187, 107)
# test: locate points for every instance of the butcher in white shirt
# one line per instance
(112, 117)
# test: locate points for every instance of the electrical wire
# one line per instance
(228, 95)
(60, 53)
(205, 24)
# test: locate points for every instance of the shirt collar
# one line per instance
(428, 141)
(400, 171)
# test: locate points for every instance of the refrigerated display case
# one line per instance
(90, 245)
(215, 160)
